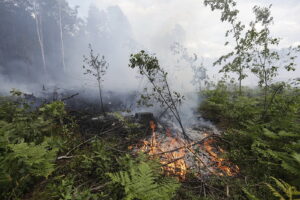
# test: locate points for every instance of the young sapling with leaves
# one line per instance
(97, 67)
(149, 67)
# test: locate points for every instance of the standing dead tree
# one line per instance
(149, 67)
(97, 67)
(39, 30)
(61, 36)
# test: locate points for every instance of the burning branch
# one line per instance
(173, 154)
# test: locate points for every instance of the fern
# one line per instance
(141, 182)
(36, 158)
(249, 195)
(285, 192)
(296, 156)
(270, 134)
(291, 167)
(21, 164)
(279, 149)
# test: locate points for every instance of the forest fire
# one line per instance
(219, 164)
(173, 162)
(173, 154)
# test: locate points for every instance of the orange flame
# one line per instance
(172, 162)
(220, 163)
(172, 151)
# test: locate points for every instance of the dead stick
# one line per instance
(70, 97)
(97, 188)
(86, 141)
(67, 154)
(64, 157)
(180, 158)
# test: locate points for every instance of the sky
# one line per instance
(157, 23)
(203, 29)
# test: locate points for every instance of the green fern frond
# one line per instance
(249, 195)
(296, 156)
(275, 192)
(37, 158)
(140, 182)
(289, 191)
(288, 134)
(270, 134)
(293, 169)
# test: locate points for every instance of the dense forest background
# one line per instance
(43, 42)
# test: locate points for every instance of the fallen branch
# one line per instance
(90, 139)
(64, 157)
(110, 130)
(180, 158)
(97, 188)
(70, 97)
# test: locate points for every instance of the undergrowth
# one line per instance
(263, 140)
(42, 156)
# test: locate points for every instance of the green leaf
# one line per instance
(270, 134)
(249, 195)
(140, 182)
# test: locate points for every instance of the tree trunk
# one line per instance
(100, 92)
(240, 80)
(61, 39)
(240, 87)
(40, 36)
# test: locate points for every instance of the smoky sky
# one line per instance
(119, 28)
(61, 31)
(156, 24)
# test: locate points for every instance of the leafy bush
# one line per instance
(222, 105)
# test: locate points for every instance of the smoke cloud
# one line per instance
(116, 29)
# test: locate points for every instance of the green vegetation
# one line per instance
(141, 181)
(48, 153)
(43, 157)
(261, 125)
(263, 143)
